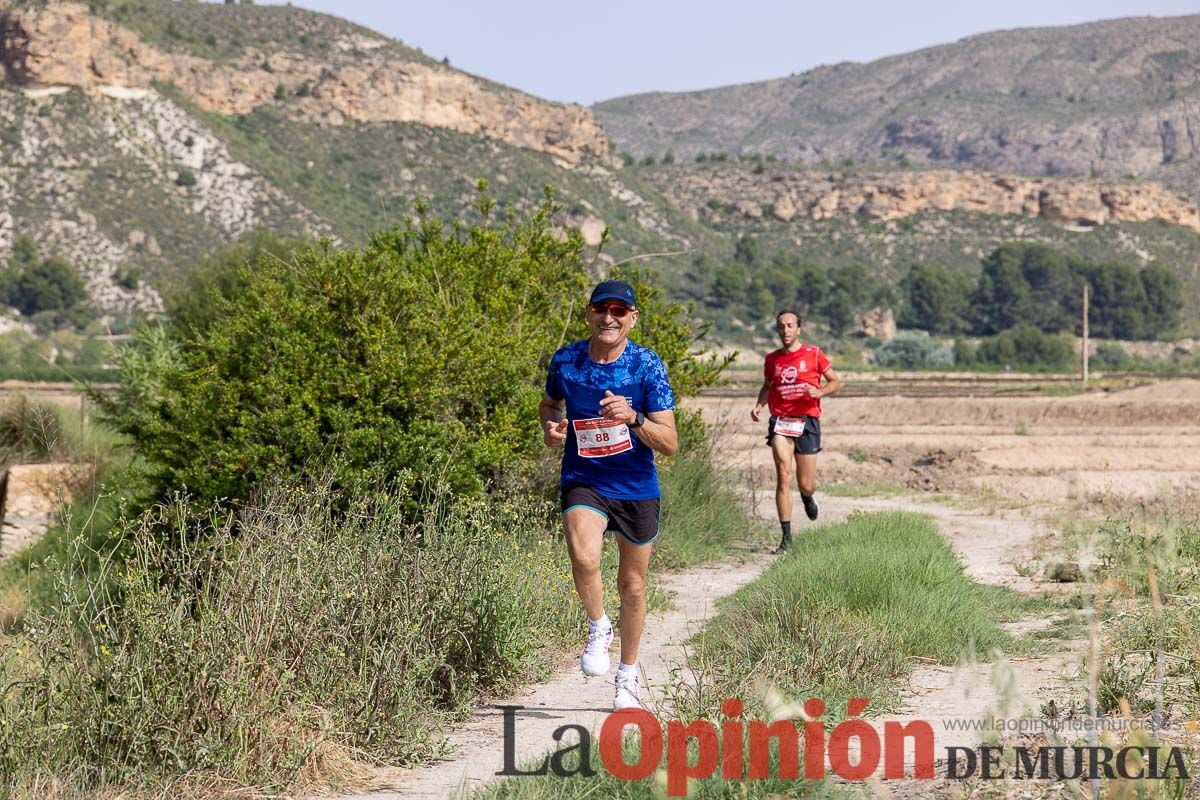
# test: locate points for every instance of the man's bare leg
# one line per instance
(806, 477)
(781, 450)
(584, 529)
(631, 586)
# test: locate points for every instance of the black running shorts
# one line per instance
(635, 520)
(807, 443)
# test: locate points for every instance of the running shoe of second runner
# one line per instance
(594, 660)
(628, 691)
(810, 506)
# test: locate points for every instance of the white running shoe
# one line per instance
(594, 660)
(628, 686)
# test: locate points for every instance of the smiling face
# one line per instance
(788, 328)
(606, 327)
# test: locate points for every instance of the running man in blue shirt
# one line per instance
(619, 410)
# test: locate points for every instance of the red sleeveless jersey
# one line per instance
(788, 373)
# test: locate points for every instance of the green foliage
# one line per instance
(1031, 284)
(1112, 357)
(185, 178)
(936, 299)
(1028, 348)
(427, 341)
(1024, 284)
(730, 284)
(127, 278)
(1128, 304)
(194, 301)
(1164, 301)
(367, 630)
(887, 582)
(33, 284)
(747, 251)
(912, 351)
(423, 343)
(963, 352)
(838, 312)
(864, 288)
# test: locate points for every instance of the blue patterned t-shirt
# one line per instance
(638, 374)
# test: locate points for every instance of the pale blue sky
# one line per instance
(585, 52)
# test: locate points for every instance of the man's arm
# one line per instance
(756, 413)
(657, 432)
(833, 384)
(554, 426)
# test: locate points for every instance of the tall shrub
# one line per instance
(424, 351)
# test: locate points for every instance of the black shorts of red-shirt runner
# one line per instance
(807, 443)
(636, 521)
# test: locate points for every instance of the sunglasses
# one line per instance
(616, 309)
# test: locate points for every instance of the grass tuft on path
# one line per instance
(847, 612)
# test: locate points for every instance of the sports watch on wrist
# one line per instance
(638, 422)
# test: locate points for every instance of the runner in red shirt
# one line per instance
(792, 390)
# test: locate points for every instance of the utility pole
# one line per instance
(1085, 334)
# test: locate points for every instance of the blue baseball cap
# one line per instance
(614, 290)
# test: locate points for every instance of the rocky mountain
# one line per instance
(1115, 98)
(137, 136)
(356, 76)
(889, 219)
(783, 192)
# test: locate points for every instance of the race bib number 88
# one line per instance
(599, 437)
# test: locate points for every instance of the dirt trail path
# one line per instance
(569, 698)
(987, 545)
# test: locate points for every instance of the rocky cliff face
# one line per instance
(786, 193)
(1113, 98)
(62, 44)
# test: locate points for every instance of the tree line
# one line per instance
(1019, 285)
(759, 285)
(1034, 285)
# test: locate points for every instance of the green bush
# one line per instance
(1028, 348)
(912, 351)
(33, 284)
(425, 342)
(1112, 357)
(185, 178)
(203, 293)
(935, 299)
(963, 352)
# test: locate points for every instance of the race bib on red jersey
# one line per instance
(789, 426)
(599, 437)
